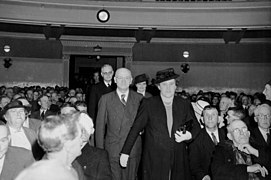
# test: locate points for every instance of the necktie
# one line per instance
(123, 99)
(42, 115)
(214, 139)
(268, 138)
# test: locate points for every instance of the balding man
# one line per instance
(117, 110)
(12, 159)
(236, 159)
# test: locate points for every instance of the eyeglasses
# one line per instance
(239, 131)
(267, 116)
(124, 78)
(107, 73)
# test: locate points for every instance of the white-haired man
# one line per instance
(94, 160)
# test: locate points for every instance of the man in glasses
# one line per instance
(260, 136)
(236, 159)
(99, 89)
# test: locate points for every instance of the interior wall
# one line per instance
(220, 77)
(32, 71)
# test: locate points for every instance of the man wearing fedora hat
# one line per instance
(141, 83)
(165, 155)
(20, 136)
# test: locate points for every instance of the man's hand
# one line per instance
(180, 137)
(247, 148)
(124, 160)
(255, 168)
(206, 177)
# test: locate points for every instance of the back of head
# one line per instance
(46, 170)
(56, 130)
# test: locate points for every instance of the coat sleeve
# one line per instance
(224, 168)
(139, 124)
(101, 121)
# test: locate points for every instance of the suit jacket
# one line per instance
(257, 139)
(161, 151)
(16, 160)
(118, 119)
(224, 165)
(95, 163)
(36, 114)
(95, 93)
(201, 152)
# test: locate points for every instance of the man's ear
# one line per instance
(158, 85)
(255, 119)
(115, 79)
(229, 136)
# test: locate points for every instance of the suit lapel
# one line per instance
(209, 142)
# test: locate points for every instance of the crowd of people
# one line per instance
(127, 129)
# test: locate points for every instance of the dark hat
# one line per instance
(12, 105)
(141, 78)
(165, 75)
(269, 82)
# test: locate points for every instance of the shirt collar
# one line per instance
(120, 93)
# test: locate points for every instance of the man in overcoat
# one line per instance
(163, 117)
(117, 111)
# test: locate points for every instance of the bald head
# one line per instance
(123, 79)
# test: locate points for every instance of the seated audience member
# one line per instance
(198, 107)
(55, 104)
(224, 104)
(237, 113)
(44, 110)
(59, 136)
(31, 123)
(12, 159)
(267, 93)
(4, 100)
(94, 160)
(236, 159)
(141, 82)
(47, 170)
(81, 106)
(260, 136)
(20, 136)
(202, 148)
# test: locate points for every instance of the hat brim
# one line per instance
(157, 81)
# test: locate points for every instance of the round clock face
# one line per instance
(103, 15)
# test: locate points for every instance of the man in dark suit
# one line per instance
(202, 148)
(236, 159)
(97, 90)
(44, 110)
(267, 92)
(260, 136)
(117, 110)
(94, 161)
(12, 159)
(164, 117)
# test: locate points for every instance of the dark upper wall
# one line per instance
(231, 53)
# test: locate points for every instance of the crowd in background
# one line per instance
(57, 125)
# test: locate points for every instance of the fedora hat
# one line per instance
(141, 78)
(165, 75)
(12, 105)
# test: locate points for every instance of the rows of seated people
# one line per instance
(216, 153)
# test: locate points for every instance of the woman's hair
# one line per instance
(56, 130)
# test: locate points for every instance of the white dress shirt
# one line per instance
(19, 139)
(215, 133)
(2, 163)
(264, 133)
(126, 94)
